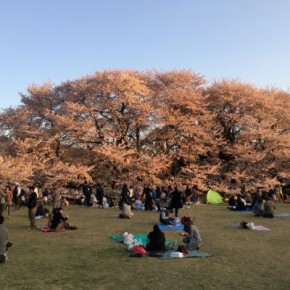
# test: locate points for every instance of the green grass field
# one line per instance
(88, 259)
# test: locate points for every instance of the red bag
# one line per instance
(139, 249)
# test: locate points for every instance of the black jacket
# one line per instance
(32, 200)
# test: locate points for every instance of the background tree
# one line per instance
(159, 127)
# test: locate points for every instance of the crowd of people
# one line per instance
(166, 200)
(262, 202)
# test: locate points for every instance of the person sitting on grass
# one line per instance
(164, 217)
(240, 204)
(60, 222)
(93, 200)
(269, 208)
(126, 209)
(138, 205)
(156, 240)
(191, 234)
(258, 208)
(232, 201)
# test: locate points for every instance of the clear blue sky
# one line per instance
(59, 40)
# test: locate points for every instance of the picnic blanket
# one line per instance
(257, 227)
(46, 229)
(285, 214)
(242, 210)
(177, 227)
(166, 255)
(191, 254)
(141, 238)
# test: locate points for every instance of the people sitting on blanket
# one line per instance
(113, 203)
(257, 198)
(248, 198)
(191, 234)
(59, 222)
(80, 200)
(105, 202)
(258, 207)
(126, 209)
(264, 208)
(64, 201)
(156, 240)
(138, 205)
(232, 200)
(269, 208)
(41, 211)
(93, 200)
(240, 205)
(164, 217)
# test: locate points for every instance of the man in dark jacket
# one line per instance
(87, 191)
(100, 195)
(31, 204)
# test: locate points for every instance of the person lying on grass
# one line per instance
(60, 222)
(156, 240)
(191, 234)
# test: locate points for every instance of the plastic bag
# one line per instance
(139, 249)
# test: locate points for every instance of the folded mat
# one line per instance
(285, 214)
(177, 227)
(257, 227)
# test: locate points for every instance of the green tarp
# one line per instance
(213, 197)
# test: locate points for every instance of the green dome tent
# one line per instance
(213, 197)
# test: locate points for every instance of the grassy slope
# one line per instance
(88, 259)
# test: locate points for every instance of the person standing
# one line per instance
(87, 191)
(2, 201)
(124, 195)
(188, 195)
(31, 205)
(56, 198)
(176, 202)
(9, 199)
(148, 197)
(100, 195)
(17, 196)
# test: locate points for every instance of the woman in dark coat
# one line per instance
(124, 195)
(156, 240)
(148, 197)
(176, 201)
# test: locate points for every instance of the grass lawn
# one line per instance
(88, 259)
